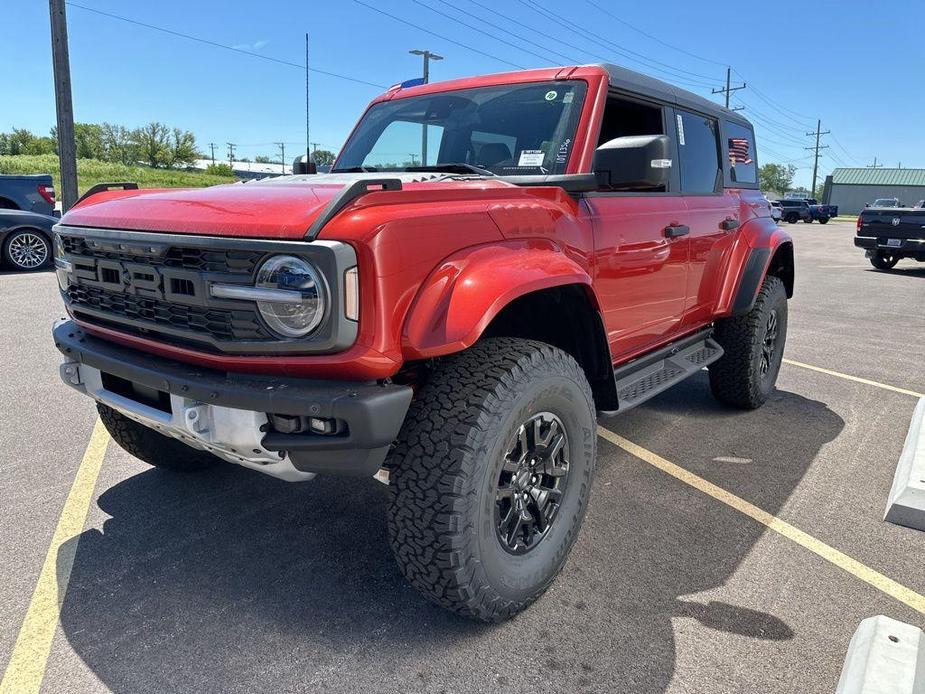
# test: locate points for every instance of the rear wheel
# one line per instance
(151, 447)
(491, 476)
(753, 346)
(884, 261)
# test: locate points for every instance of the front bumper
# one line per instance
(226, 413)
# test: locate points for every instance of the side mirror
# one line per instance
(301, 165)
(636, 162)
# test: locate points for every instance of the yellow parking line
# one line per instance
(840, 559)
(856, 379)
(26, 668)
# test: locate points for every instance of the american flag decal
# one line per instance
(738, 151)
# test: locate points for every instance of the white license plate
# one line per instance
(894, 243)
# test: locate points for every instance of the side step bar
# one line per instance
(649, 375)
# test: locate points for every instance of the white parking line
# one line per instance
(856, 379)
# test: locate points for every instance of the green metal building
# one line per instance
(851, 189)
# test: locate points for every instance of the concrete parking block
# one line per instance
(906, 503)
(885, 656)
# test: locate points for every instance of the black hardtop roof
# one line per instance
(638, 83)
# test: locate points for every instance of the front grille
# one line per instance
(219, 324)
(236, 262)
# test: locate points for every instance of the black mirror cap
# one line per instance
(635, 162)
(302, 165)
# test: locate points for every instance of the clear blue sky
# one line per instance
(858, 67)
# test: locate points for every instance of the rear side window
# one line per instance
(741, 144)
(698, 149)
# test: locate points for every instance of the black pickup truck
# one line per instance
(889, 234)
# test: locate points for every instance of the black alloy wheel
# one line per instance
(769, 345)
(532, 480)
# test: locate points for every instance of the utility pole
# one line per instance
(314, 147)
(728, 89)
(428, 56)
(819, 132)
(412, 155)
(308, 154)
(282, 156)
(875, 165)
(67, 148)
(231, 146)
(212, 147)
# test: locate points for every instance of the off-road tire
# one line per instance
(883, 261)
(446, 466)
(151, 447)
(736, 378)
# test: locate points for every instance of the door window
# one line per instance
(742, 167)
(698, 148)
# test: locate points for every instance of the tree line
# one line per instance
(155, 144)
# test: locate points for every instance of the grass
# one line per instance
(92, 171)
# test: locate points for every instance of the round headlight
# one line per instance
(298, 307)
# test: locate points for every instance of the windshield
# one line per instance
(513, 129)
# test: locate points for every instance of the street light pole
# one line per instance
(428, 56)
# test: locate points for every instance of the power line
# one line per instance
(847, 153)
(439, 36)
(215, 44)
(504, 29)
(650, 63)
(482, 31)
(651, 37)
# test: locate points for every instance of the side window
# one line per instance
(698, 148)
(625, 117)
(741, 143)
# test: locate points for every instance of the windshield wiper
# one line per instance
(453, 167)
(356, 169)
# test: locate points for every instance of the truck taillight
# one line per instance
(858, 227)
(47, 192)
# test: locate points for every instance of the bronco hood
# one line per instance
(276, 208)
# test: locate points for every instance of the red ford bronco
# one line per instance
(491, 264)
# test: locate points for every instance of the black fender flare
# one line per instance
(752, 276)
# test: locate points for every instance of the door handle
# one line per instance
(673, 231)
(729, 224)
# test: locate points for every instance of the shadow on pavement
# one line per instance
(230, 581)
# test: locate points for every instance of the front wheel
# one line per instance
(491, 476)
(753, 346)
(884, 261)
(823, 220)
(27, 250)
(792, 218)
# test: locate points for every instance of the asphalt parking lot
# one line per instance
(233, 582)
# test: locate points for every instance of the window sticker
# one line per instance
(680, 129)
(567, 99)
(530, 157)
(551, 95)
(562, 153)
